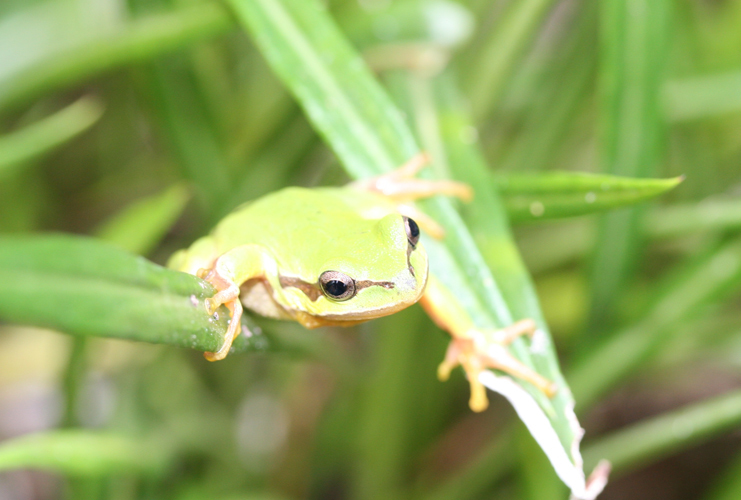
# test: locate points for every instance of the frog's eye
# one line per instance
(337, 285)
(412, 231)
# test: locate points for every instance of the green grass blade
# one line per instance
(488, 222)
(38, 138)
(728, 486)
(475, 480)
(141, 40)
(85, 453)
(633, 53)
(86, 287)
(698, 285)
(702, 96)
(660, 436)
(553, 195)
(715, 214)
(332, 83)
(565, 87)
(139, 227)
(494, 61)
(194, 141)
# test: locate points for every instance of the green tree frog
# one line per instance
(342, 256)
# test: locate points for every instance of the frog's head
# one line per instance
(374, 268)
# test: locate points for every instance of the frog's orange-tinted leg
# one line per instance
(471, 348)
(233, 268)
(401, 185)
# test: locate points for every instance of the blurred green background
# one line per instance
(142, 123)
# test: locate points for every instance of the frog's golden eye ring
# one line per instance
(337, 286)
(412, 230)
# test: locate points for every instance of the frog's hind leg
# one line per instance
(475, 354)
(229, 272)
(476, 349)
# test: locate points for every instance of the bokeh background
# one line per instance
(145, 122)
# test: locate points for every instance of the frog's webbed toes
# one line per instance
(235, 323)
(478, 352)
(211, 306)
(228, 295)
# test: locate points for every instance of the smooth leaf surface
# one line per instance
(140, 226)
(495, 60)
(59, 66)
(488, 222)
(85, 453)
(551, 195)
(718, 213)
(701, 97)
(659, 436)
(633, 53)
(86, 287)
(332, 83)
(698, 284)
(38, 138)
(185, 124)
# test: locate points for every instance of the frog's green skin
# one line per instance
(298, 234)
(275, 254)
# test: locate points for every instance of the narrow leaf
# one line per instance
(85, 453)
(714, 214)
(141, 225)
(564, 194)
(38, 138)
(331, 82)
(86, 287)
(704, 96)
(140, 40)
(697, 285)
(633, 51)
(487, 219)
(504, 46)
(660, 436)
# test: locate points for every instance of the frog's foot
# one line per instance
(475, 353)
(228, 294)
(401, 185)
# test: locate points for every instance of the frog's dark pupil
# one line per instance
(337, 285)
(335, 288)
(413, 228)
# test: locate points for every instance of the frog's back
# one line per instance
(289, 217)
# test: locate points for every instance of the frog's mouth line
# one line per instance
(410, 249)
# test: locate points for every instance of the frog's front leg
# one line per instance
(476, 351)
(229, 271)
(401, 186)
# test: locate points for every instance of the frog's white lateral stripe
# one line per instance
(535, 420)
